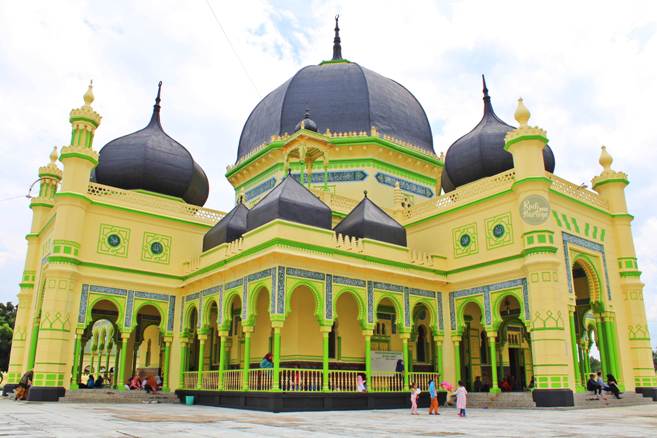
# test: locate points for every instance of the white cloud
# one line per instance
(586, 70)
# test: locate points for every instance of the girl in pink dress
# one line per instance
(461, 398)
(415, 391)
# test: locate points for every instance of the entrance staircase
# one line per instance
(114, 396)
(501, 400)
(588, 401)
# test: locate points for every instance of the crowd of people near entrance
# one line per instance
(597, 385)
(460, 394)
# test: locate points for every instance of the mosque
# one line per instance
(355, 257)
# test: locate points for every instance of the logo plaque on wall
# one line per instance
(534, 209)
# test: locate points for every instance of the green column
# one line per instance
(368, 358)
(587, 362)
(116, 367)
(405, 356)
(573, 348)
(493, 364)
(276, 384)
(183, 361)
(247, 361)
(582, 365)
(609, 338)
(325, 361)
(107, 359)
(76, 361)
(439, 357)
(124, 357)
(222, 358)
(457, 362)
(619, 364)
(165, 366)
(33, 344)
(201, 360)
(600, 343)
(325, 177)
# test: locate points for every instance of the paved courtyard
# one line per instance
(167, 420)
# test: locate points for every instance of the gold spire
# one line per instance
(605, 159)
(522, 114)
(53, 155)
(89, 95)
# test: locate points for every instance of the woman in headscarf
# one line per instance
(24, 385)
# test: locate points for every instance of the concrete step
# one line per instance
(587, 400)
(113, 396)
(503, 400)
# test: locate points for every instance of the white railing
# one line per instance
(261, 379)
(232, 380)
(190, 379)
(386, 381)
(300, 380)
(344, 381)
(578, 192)
(422, 379)
(154, 203)
(210, 380)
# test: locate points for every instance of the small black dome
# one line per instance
(151, 160)
(306, 123)
(368, 220)
(344, 97)
(480, 153)
(290, 201)
(229, 228)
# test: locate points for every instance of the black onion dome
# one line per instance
(306, 123)
(480, 152)
(344, 97)
(290, 201)
(229, 228)
(368, 220)
(151, 160)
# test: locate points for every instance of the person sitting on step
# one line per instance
(612, 384)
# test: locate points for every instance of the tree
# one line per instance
(654, 359)
(595, 365)
(7, 321)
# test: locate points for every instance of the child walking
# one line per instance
(415, 391)
(461, 398)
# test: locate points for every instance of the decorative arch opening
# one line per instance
(302, 344)
(262, 338)
(473, 370)
(513, 347)
(145, 345)
(346, 341)
(422, 351)
(99, 346)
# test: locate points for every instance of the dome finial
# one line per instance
(89, 94)
(53, 155)
(155, 118)
(488, 106)
(605, 159)
(522, 114)
(483, 80)
(365, 193)
(337, 48)
(159, 90)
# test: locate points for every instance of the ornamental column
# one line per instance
(165, 367)
(368, 356)
(123, 361)
(548, 296)
(184, 346)
(404, 337)
(637, 355)
(26, 326)
(202, 337)
(457, 359)
(248, 331)
(494, 387)
(223, 335)
(438, 340)
(573, 348)
(76, 359)
(325, 356)
(276, 384)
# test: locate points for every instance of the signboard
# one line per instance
(534, 209)
(385, 360)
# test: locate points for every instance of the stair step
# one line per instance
(112, 396)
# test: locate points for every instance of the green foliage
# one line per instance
(654, 359)
(7, 321)
(595, 365)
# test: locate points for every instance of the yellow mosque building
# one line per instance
(355, 260)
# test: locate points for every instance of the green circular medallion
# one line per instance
(498, 230)
(157, 248)
(113, 240)
(465, 240)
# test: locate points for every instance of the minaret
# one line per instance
(22, 358)
(59, 300)
(552, 325)
(611, 184)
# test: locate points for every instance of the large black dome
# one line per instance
(343, 97)
(480, 152)
(151, 160)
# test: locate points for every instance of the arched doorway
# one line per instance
(346, 341)
(302, 339)
(235, 339)
(422, 348)
(100, 346)
(145, 343)
(191, 363)
(513, 348)
(262, 337)
(472, 368)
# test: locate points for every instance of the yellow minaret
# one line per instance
(555, 360)
(611, 184)
(25, 334)
(58, 341)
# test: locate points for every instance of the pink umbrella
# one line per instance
(446, 386)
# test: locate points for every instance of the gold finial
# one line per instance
(605, 159)
(89, 95)
(522, 114)
(53, 155)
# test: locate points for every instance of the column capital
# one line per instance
(223, 333)
(368, 332)
(325, 329)
(277, 324)
(404, 336)
(125, 336)
(247, 329)
(202, 337)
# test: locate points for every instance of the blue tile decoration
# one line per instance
(258, 275)
(233, 284)
(588, 244)
(172, 308)
(274, 291)
(108, 290)
(407, 186)
(199, 320)
(302, 273)
(439, 307)
(210, 291)
(370, 302)
(335, 176)
(245, 298)
(407, 306)
(422, 292)
(192, 297)
(280, 294)
(328, 291)
(387, 286)
(260, 189)
(83, 303)
(486, 291)
(128, 309)
(151, 296)
(348, 281)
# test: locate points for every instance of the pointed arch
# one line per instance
(362, 310)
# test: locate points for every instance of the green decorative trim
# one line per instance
(48, 379)
(335, 61)
(56, 322)
(66, 247)
(524, 138)
(83, 156)
(611, 180)
(539, 250)
(41, 204)
(156, 248)
(465, 240)
(630, 274)
(493, 225)
(551, 321)
(64, 259)
(83, 119)
(528, 179)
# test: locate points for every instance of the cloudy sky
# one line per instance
(587, 71)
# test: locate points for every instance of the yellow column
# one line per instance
(248, 331)
(202, 337)
(404, 337)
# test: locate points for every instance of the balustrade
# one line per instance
(261, 379)
(381, 381)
